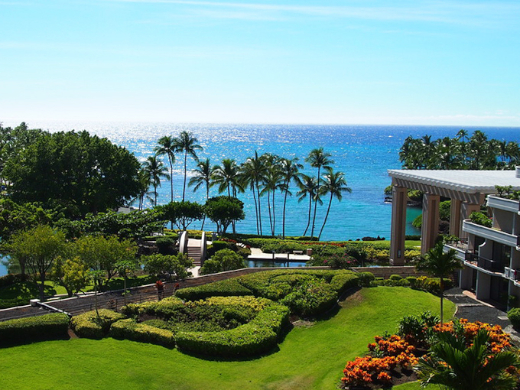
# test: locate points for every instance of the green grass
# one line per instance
(309, 358)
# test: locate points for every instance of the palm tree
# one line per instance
(202, 177)
(144, 184)
(252, 174)
(167, 147)
(289, 170)
(308, 187)
(186, 143)
(156, 170)
(226, 177)
(318, 159)
(462, 136)
(335, 185)
(272, 182)
(452, 365)
(439, 264)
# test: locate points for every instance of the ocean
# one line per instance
(363, 152)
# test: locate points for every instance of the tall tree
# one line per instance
(202, 177)
(252, 173)
(319, 159)
(167, 147)
(186, 143)
(38, 248)
(441, 265)
(308, 188)
(272, 182)
(75, 171)
(226, 177)
(290, 171)
(335, 185)
(156, 171)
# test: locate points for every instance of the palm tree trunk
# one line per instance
(207, 198)
(326, 216)
(315, 204)
(441, 283)
(274, 215)
(185, 175)
(283, 214)
(269, 210)
(256, 210)
(171, 178)
(309, 218)
(259, 208)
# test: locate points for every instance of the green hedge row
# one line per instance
(10, 279)
(131, 330)
(254, 338)
(92, 326)
(224, 288)
(164, 308)
(7, 303)
(27, 330)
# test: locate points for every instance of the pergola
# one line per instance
(466, 189)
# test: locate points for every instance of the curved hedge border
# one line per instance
(27, 330)
(224, 288)
(256, 337)
(131, 330)
(92, 326)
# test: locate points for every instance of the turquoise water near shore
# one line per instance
(363, 152)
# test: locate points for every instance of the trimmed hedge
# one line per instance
(27, 330)
(224, 288)
(89, 325)
(514, 317)
(10, 279)
(7, 303)
(131, 330)
(258, 336)
(164, 308)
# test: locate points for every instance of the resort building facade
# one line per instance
(491, 255)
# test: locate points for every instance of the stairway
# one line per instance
(194, 253)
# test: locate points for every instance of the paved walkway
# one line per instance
(257, 254)
(474, 310)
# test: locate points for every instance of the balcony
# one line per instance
(503, 204)
(482, 262)
(490, 233)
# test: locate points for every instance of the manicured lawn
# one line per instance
(310, 357)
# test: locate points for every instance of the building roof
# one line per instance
(469, 182)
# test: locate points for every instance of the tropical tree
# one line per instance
(252, 173)
(290, 172)
(334, 184)
(182, 214)
(441, 265)
(319, 159)
(226, 177)
(272, 183)
(155, 170)
(202, 177)
(453, 365)
(308, 188)
(224, 210)
(186, 143)
(167, 147)
(38, 248)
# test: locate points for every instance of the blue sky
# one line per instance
(350, 62)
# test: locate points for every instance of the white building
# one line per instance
(491, 256)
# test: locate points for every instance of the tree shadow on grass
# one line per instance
(25, 290)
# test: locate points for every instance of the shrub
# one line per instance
(310, 298)
(92, 326)
(224, 288)
(223, 260)
(129, 329)
(7, 303)
(258, 336)
(365, 278)
(431, 285)
(28, 330)
(480, 219)
(395, 277)
(244, 252)
(210, 267)
(165, 245)
(10, 279)
(514, 317)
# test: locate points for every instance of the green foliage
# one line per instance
(145, 333)
(10, 279)
(28, 330)
(95, 326)
(431, 285)
(71, 273)
(15, 217)
(89, 174)
(223, 260)
(258, 336)
(310, 298)
(417, 328)
(481, 219)
(134, 225)
(224, 288)
(165, 245)
(365, 278)
(223, 210)
(514, 317)
(181, 214)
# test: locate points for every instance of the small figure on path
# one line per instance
(160, 289)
